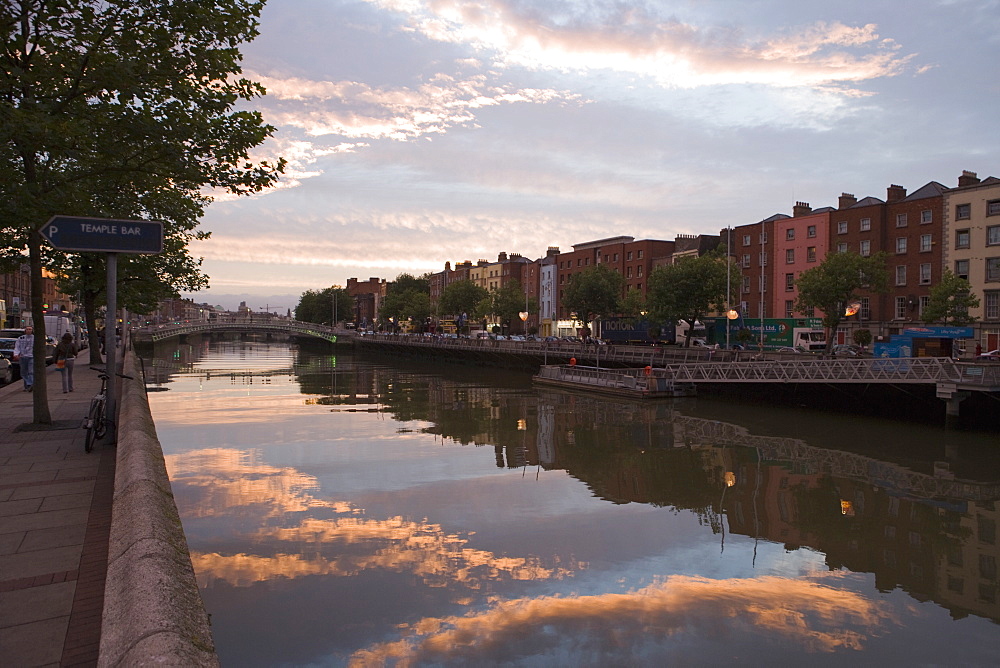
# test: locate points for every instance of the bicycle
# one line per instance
(96, 422)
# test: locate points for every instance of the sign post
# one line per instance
(109, 236)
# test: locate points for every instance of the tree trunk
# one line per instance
(40, 398)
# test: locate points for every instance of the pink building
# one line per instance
(800, 243)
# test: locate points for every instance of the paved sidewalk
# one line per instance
(55, 514)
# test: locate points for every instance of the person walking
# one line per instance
(24, 355)
(65, 359)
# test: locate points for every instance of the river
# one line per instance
(351, 510)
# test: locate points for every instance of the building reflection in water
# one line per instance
(930, 533)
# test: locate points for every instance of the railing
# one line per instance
(161, 332)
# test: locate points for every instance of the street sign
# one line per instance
(104, 235)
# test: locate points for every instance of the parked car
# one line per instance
(991, 356)
(847, 350)
(14, 334)
(798, 350)
(6, 371)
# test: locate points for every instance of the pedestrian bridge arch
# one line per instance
(163, 332)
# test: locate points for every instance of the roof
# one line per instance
(932, 189)
(867, 201)
(777, 216)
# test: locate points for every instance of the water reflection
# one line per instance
(468, 519)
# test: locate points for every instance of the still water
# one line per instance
(347, 510)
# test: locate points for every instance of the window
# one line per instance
(746, 284)
(811, 231)
(962, 269)
(628, 272)
(866, 224)
(926, 216)
(763, 259)
(586, 261)
(961, 238)
(790, 256)
(963, 211)
(993, 235)
(842, 247)
(790, 234)
(745, 261)
(789, 282)
(638, 286)
(789, 308)
(616, 257)
(629, 257)
(991, 305)
(762, 282)
(579, 261)
(640, 255)
(763, 237)
(901, 275)
(746, 239)
(638, 271)
(993, 269)
(900, 220)
(865, 248)
(811, 254)
(900, 245)
(925, 243)
(900, 309)
(842, 227)
(925, 274)
(993, 207)
(866, 309)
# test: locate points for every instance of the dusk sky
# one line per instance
(424, 131)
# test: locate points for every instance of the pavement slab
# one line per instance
(54, 507)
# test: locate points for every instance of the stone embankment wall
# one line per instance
(153, 612)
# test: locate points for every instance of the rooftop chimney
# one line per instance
(846, 200)
(502, 257)
(894, 193)
(967, 179)
(553, 250)
(801, 209)
(447, 266)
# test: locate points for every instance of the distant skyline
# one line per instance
(419, 133)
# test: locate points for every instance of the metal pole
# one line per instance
(111, 311)
(729, 265)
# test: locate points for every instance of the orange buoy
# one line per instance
(649, 370)
(572, 361)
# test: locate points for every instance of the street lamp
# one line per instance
(333, 294)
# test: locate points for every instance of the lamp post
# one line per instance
(729, 268)
(333, 294)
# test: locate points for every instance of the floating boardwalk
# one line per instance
(645, 383)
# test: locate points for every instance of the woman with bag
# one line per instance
(65, 358)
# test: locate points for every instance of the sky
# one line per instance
(419, 132)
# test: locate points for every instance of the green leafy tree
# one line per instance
(138, 93)
(505, 304)
(692, 288)
(632, 305)
(594, 293)
(862, 337)
(836, 282)
(462, 297)
(407, 298)
(951, 301)
(317, 306)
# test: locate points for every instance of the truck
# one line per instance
(634, 332)
(806, 334)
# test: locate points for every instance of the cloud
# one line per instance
(660, 620)
(636, 38)
(358, 110)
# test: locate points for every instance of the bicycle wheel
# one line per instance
(101, 425)
(90, 425)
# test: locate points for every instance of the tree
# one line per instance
(505, 303)
(632, 305)
(462, 297)
(951, 301)
(407, 298)
(692, 288)
(862, 337)
(833, 284)
(127, 96)
(594, 293)
(318, 305)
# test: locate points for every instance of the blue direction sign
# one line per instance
(104, 235)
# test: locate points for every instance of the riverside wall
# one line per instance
(153, 611)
